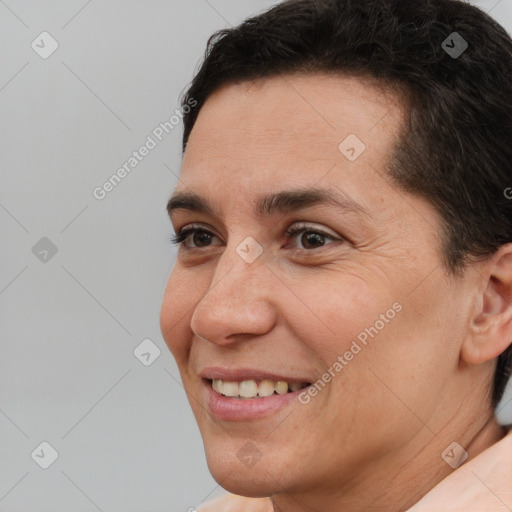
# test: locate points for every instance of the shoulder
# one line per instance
(233, 503)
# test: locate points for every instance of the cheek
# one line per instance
(336, 310)
(175, 313)
(362, 332)
(405, 366)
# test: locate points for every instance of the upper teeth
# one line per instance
(251, 389)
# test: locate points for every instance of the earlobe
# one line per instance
(491, 327)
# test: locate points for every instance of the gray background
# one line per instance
(125, 437)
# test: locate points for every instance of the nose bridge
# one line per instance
(237, 302)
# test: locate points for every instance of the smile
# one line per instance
(252, 389)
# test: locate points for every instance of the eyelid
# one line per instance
(184, 232)
(305, 226)
(296, 228)
(193, 225)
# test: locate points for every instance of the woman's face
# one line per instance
(356, 299)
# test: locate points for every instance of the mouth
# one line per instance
(248, 395)
(255, 389)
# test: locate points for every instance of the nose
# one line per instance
(238, 303)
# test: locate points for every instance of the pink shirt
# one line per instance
(482, 484)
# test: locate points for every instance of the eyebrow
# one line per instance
(268, 204)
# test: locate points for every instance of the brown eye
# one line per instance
(193, 238)
(201, 238)
(311, 238)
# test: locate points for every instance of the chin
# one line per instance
(251, 479)
(249, 484)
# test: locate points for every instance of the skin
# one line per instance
(373, 438)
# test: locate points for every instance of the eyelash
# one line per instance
(183, 234)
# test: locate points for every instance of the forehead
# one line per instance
(299, 104)
(290, 131)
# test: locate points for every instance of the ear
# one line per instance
(491, 324)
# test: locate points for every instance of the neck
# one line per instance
(489, 434)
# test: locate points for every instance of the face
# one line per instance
(348, 298)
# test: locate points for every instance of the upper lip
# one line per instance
(240, 374)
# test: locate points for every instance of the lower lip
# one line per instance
(238, 409)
